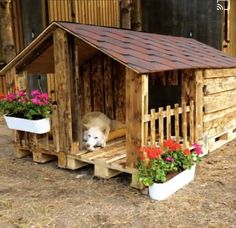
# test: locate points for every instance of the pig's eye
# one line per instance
(96, 137)
(89, 136)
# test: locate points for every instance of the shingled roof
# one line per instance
(143, 52)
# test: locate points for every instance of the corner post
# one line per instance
(199, 105)
(136, 107)
(63, 74)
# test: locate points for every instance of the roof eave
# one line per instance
(27, 50)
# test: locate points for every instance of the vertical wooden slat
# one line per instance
(184, 125)
(55, 128)
(191, 122)
(87, 89)
(153, 128)
(76, 8)
(134, 115)
(199, 105)
(126, 15)
(160, 126)
(55, 18)
(108, 87)
(168, 122)
(97, 84)
(63, 74)
(176, 113)
(145, 79)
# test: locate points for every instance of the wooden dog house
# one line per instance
(127, 75)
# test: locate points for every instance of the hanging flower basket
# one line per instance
(161, 191)
(34, 126)
(23, 113)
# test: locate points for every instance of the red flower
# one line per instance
(175, 146)
(153, 153)
(172, 145)
(1, 96)
(187, 152)
(168, 143)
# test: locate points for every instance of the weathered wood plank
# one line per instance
(118, 74)
(176, 111)
(134, 113)
(160, 126)
(184, 125)
(219, 101)
(218, 73)
(108, 88)
(97, 83)
(199, 104)
(87, 107)
(63, 73)
(191, 122)
(217, 85)
(220, 114)
(220, 124)
(168, 122)
(153, 128)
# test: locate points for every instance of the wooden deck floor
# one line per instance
(110, 160)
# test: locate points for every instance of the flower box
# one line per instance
(34, 126)
(164, 190)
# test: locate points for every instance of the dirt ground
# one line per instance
(42, 195)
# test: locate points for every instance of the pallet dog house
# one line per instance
(159, 86)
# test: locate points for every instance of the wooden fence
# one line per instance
(96, 12)
(176, 123)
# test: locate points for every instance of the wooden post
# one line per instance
(137, 16)
(184, 125)
(161, 122)
(136, 88)
(191, 125)
(199, 105)
(153, 128)
(176, 113)
(168, 122)
(63, 74)
(126, 14)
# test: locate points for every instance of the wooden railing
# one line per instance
(177, 123)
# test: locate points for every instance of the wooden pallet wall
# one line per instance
(219, 101)
(103, 86)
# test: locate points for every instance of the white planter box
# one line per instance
(164, 190)
(34, 126)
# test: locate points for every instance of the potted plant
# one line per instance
(166, 170)
(27, 114)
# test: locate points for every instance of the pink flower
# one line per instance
(197, 149)
(35, 93)
(21, 93)
(37, 101)
(170, 159)
(44, 96)
(11, 97)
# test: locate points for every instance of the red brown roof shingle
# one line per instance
(147, 52)
(140, 51)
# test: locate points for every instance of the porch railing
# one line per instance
(177, 123)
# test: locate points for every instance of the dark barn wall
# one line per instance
(183, 18)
